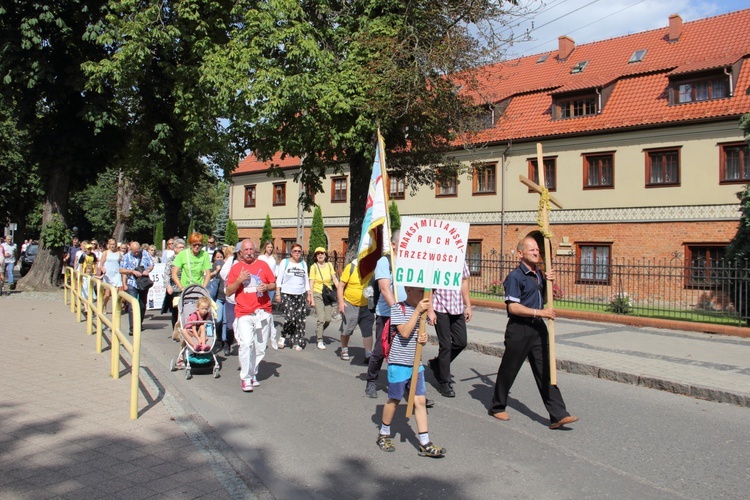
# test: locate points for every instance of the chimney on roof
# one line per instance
(566, 45)
(675, 27)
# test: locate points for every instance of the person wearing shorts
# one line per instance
(354, 311)
(405, 318)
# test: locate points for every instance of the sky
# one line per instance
(590, 20)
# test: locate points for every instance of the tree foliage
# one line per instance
(316, 79)
(394, 215)
(267, 234)
(175, 137)
(159, 235)
(231, 237)
(44, 45)
(317, 235)
(222, 217)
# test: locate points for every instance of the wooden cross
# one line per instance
(544, 225)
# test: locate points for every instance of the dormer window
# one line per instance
(578, 68)
(703, 88)
(542, 58)
(575, 106)
(637, 56)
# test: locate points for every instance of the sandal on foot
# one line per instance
(385, 443)
(430, 450)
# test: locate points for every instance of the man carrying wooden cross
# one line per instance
(526, 336)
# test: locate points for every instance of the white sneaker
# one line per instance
(247, 386)
(345, 354)
(255, 382)
(281, 344)
(321, 345)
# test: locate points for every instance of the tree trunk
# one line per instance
(45, 272)
(360, 185)
(124, 204)
(172, 208)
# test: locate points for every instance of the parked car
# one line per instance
(27, 257)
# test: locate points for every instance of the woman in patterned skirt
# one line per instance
(293, 287)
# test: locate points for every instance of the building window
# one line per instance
(550, 172)
(397, 188)
(735, 163)
(279, 193)
(702, 264)
(447, 186)
(474, 257)
(593, 263)
(598, 170)
(484, 179)
(338, 189)
(250, 196)
(662, 167)
(576, 106)
(286, 246)
(700, 89)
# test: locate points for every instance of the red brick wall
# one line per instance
(653, 240)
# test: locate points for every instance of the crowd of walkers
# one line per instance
(245, 282)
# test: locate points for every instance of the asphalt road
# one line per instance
(308, 431)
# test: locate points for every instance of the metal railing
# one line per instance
(714, 291)
(78, 290)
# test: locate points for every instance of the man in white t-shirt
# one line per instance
(9, 251)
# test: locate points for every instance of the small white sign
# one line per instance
(431, 253)
(157, 292)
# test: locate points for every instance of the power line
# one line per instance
(581, 27)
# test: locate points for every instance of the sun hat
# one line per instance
(320, 250)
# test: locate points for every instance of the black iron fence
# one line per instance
(711, 291)
(714, 291)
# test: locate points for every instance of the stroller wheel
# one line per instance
(216, 371)
(188, 374)
(172, 365)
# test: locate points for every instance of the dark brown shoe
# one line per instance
(503, 415)
(564, 421)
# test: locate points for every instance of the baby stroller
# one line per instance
(188, 358)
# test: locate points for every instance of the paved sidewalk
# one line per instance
(706, 366)
(66, 430)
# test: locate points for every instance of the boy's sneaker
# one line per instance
(430, 450)
(385, 443)
(371, 391)
(247, 386)
(321, 345)
(345, 355)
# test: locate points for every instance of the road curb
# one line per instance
(661, 384)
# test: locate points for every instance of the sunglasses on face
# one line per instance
(194, 245)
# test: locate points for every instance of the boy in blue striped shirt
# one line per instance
(405, 317)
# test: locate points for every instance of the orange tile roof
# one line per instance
(639, 96)
(251, 164)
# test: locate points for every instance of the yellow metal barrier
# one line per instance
(73, 284)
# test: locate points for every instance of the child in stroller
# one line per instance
(194, 331)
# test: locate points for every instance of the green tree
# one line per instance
(44, 46)
(191, 228)
(21, 189)
(231, 237)
(175, 136)
(267, 234)
(327, 74)
(395, 216)
(317, 235)
(159, 235)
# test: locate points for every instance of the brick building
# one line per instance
(641, 145)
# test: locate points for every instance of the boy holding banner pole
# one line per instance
(407, 325)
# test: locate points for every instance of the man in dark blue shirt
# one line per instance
(526, 336)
